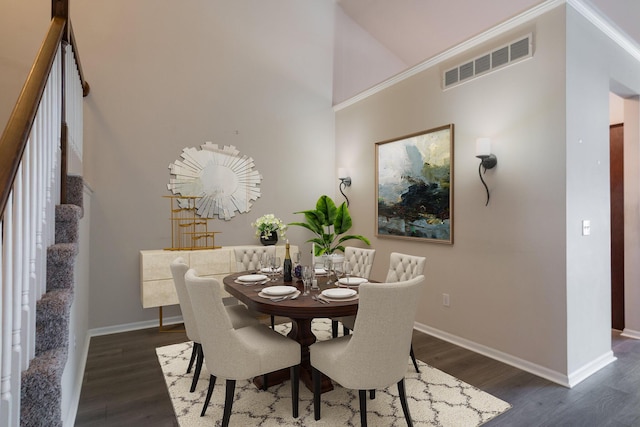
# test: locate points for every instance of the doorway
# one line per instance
(616, 158)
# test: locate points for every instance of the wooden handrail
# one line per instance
(74, 47)
(16, 134)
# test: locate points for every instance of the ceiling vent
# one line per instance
(505, 55)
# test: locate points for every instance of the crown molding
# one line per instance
(586, 11)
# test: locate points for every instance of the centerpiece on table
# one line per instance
(329, 223)
(267, 228)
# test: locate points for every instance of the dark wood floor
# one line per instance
(123, 384)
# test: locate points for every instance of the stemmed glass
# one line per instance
(328, 266)
(307, 276)
(346, 271)
(275, 264)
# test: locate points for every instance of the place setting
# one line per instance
(252, 279)
(341, 294)
(279, 293)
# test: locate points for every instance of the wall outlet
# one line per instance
(445, 300)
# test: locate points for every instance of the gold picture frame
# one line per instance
(414, 186)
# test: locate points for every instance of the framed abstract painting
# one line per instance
(414, 186)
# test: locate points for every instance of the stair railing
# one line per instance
(46, 119)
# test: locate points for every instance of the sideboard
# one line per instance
(156, 283)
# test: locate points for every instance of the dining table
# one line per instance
(301, 310)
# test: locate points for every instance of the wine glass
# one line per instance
(328, 265)
(275, 264)
(307, 275)
(346, 271)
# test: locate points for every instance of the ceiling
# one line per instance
(429, 27)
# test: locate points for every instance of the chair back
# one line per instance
(360, 260)
(378, 351)
(178, 270)
(247, 257)
(225, 354)
(404, 267)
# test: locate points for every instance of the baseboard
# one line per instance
(590, 368)
(70, 419)
(630, 333)
(516, 362)
(126, 327)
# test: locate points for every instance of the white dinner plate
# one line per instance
(339, 293)
(279, 290)
(352, 281)
(252, 278)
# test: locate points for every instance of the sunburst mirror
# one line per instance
(224, 180)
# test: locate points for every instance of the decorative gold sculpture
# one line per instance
(189, 231)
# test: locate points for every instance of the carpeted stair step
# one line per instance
(52, 320)
(75, 192)
(60, 261)
(41, 390)
(68, 223)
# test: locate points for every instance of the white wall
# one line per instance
(588, 266)
(165, 76)
(23, 26)
(360, 61)
(505, 272)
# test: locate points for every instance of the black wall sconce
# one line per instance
(345, 181)
(487, 160)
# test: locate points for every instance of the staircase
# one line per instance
(41, 388)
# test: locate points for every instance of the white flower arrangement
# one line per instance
(267, 224)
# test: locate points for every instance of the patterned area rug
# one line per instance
(435, 398)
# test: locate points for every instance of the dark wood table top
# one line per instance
(301, 308)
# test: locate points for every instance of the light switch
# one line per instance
(586, 227)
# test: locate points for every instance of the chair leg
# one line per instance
(194, 351)
(403, 401)
(345, 331)
(265, 380)
(413, 358)
(372, 394)
(212, 383)
(295, 389)
(334, 328)
(363, 407)
(228, 402)
(273, 322)
(315, 374)
(196, 375)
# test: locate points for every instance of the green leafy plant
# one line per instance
(329, 222)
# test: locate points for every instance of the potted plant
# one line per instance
(267, 228)
(329, 223)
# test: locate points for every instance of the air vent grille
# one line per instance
(502, 56)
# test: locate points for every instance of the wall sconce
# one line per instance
(487, 160)
(345, 181)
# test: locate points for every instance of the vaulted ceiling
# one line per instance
(415, 30)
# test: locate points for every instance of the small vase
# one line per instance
(270, 240)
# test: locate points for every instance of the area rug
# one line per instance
(435, 398)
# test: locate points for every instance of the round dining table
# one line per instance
(301, 311)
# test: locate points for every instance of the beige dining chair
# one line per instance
(239, 315)
(360, 261)
(401, 267)
(375, 355)
(248, 259)
(237, 354)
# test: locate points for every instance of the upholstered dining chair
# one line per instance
(248, 259)
(237, 354)
(239, 315)
(401, 267)
(375, 354)
(360, 261)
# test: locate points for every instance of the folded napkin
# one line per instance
(320, 271)
(268, 270)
